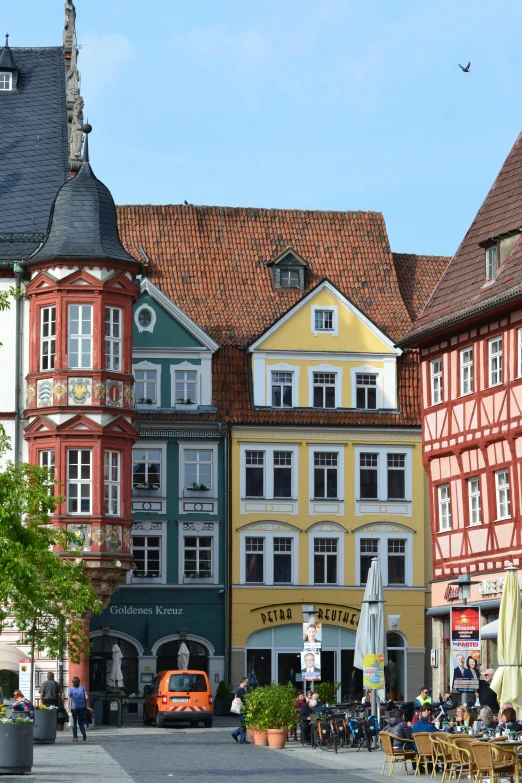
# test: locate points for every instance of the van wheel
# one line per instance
(160, 721)
(208, 723)
(146, 721)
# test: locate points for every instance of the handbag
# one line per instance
(88, 716)
(62, 716)
(235, 707)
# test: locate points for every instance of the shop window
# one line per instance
(259, 666)
(325, 561)
(395, 672)
(146, 552)
(197, 557)
(80, 337)
(79, 481)
(47, 337)
(254, 560)
(113, 318)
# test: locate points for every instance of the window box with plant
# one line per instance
(197, 577)
(145, 401)
(185, 404)
(196, 489)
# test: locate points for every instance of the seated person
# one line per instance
(508, 720)
(462, 717)
(299, 701)
(22, 705)
(486, 719)
(423, 697)
(401, 730)
(315, 703)
(305, 713)
(416, 715)
(424, 722)
(448, 703)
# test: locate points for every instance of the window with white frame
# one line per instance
(282, 474)
(197, 557)
(466, 371)
(47, 337)
(254, 560)
(366, 391)
(326, 552)
(198, 469)
(326, 466)
(396, 561)
(79, 481)
(80, 337)
(436, 381)
(491, 262)
(146, 553)
(282, 389)
(113, 318)
(324, 389)
(111, 482)
(255, 474)
(146, 386)
(444, 507)
(324, 320)
(289, 278)
(282, 560)
(369, 476)
(146, 469)
(396, 476)
(384, 474)
(495, 361)
(185, 386)
(6, 81)
(503, 494)
(475, 511)
(368, 549)
(47, 459)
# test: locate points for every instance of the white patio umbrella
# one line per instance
(183, 656)
(371, 631)
(507, 682)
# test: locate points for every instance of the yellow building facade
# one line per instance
(312, 503)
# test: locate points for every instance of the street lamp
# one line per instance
(464, 583)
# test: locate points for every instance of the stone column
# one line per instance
(81, 669)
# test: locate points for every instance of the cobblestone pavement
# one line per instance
(138, 754)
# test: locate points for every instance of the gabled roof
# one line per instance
(462, 292)
(33, 149)
(212, 262)
(343, 301)
(418, 276)
(181, 317)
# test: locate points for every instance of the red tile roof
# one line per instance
(462, 291)
(418, 276)
(212, 263)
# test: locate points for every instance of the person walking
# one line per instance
(78, 697)
(50, 692)
(239, 735)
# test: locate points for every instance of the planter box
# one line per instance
(204, 580)
(16, 748)
(196, 493)
(44, 727)
(180, 406)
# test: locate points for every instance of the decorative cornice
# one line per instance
(164, 432)
(269, 526)
(334, 435)
(383, 527)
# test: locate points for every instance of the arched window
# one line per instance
(168, 656)
(396, 668)
(101, 662)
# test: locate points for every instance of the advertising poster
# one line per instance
(24, 676)
(465, 648)
(373, 672)
(312, 635)
(311, 665)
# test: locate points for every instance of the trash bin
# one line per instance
(98, 711)
(112, 714)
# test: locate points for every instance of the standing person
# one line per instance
(50, 692)
(306, 726)
(487, 697)
(241, 731)
(78, 697)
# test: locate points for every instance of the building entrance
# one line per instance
(168, 656)
(100, 663)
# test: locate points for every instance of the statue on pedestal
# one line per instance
(76, 129)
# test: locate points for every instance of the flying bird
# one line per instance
(466, 69)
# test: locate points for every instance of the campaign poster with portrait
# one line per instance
(311, 665)
(312, 635)
(465, 648)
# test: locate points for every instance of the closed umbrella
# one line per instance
(371, 631)
(183, 656)
(507, 682)
(116, 676)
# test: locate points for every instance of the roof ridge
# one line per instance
(256, 209)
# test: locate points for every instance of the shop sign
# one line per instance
(157, 609)
(452, 593)
(495, 586)
(373, 671)
(285, 613)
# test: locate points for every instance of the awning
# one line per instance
(489, 631)
(10, 657)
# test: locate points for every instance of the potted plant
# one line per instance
(145, 401)
(195, 489)
(45, 725)
(146, 486)
(253, 709)
(279, 713)
(16, 746)
(222, 699)
(197, 577)
(327, 691)
(185, 404)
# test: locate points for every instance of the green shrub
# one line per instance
(222, 691)
(327, 691)
(270, 707)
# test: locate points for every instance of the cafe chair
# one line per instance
(391, 754)
(494, 763)
(450, 759)
(426, 752)
(466, 766)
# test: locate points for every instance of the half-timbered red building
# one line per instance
(470, 339)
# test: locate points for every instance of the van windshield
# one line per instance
(187, 683)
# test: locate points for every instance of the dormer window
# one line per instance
(289, 278)
(6, 81)
(491, 262)
(288, 270)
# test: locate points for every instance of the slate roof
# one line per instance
(463, 292)
(212, 263)
(418, 276)
(33, 149)
(83, 223)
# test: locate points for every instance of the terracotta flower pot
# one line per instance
(260, 737)
(277, 738)
(250, 735)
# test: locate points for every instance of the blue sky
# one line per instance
(302, 104)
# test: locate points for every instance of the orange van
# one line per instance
(178, 696)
